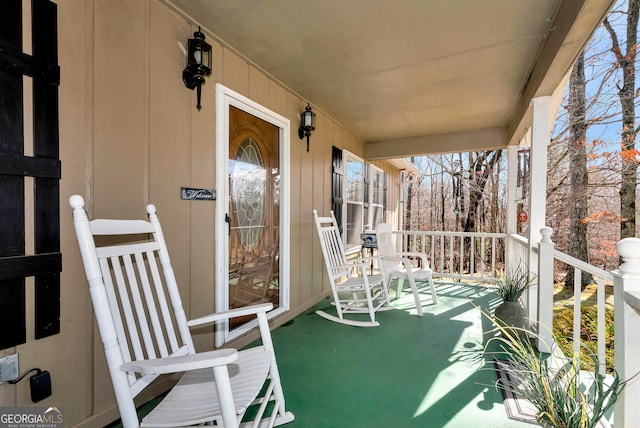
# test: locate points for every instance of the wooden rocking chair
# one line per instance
(146, 334)
(354, 289)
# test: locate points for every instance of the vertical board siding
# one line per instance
(120, 106)
(169, 161)
(320, 195)
(69, 356)
(295, 264)
(307, 183)
(120, 161)
(201, 131)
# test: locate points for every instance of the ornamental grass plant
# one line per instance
(512, 283)
(551, 383)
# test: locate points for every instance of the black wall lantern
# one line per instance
(307, 123)
(198, 63)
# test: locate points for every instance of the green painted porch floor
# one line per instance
(410, 371)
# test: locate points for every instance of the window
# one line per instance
(377, 190)
(359, 188)
(354, 198)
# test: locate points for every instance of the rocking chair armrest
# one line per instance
(359, 262)
(361, 266)
(182, 363)
(224, 315)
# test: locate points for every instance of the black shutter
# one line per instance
(365, 199)
(12, 228)
(384, 197)
(337, 177)
(45, 265)
(46, 147)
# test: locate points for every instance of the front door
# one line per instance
(252, 211)
(254, 205)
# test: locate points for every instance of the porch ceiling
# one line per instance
(410, 77)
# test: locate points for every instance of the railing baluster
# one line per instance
(472, 256)
(601, 321)
(481, 258)
(461, 255)
(442, 246)
(577, 311)
(493, 256)
(433, 241)
(452, 251)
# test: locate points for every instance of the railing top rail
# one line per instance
(583, 266)
(443, 233)
(519, 239)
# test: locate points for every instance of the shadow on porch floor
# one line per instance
(410, 371)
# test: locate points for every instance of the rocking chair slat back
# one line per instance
(332, 247)
(138, 299)
(353, 288)
(145, 333)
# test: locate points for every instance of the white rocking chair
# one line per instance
(145, 333)
(399, 265)
(354, 290)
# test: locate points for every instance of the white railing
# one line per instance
(548, 258)
(626, 289)
(517, 247)
(626, 286)
(460, 255)
(480, 256)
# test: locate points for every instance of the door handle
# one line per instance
(228, 220)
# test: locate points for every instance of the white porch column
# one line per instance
(540, 129)
(545, 284)
(626, 289)
(512, 183)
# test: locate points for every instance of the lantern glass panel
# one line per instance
(195, 54)
(206, 56)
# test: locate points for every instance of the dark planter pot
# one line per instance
(511, 314)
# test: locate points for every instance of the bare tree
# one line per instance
(578, 173)
(626, 93)
(409, 203)
(481, 166)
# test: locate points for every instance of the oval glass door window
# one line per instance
(249, 193)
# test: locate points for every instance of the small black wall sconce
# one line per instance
(198, 63)
(307, 123)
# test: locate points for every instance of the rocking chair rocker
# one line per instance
(145, 334)
(354, 290)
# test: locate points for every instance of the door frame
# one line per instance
(226, 97)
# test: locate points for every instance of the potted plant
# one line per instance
(553, 383)
(510, 287)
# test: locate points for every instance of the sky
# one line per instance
(603, 79)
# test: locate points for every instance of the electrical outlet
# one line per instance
(9, 368)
